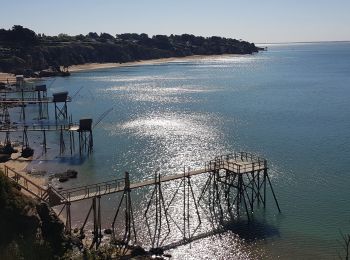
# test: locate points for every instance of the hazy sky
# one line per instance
(257, 21)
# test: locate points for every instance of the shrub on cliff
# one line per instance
(19, 35)
(29, 229)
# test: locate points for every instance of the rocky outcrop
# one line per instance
(29, 229)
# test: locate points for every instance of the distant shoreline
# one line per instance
(108, 65)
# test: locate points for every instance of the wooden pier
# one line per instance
(236, 185)
(231, 163)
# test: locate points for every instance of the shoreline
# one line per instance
(11, 78)
(108, 65)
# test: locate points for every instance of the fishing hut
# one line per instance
(60, 100)
(23, 96)
(85, 135)
(41, 92)
(19, 80)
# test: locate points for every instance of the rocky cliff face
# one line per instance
(29, 229)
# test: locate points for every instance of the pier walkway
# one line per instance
(29, 100)
(27, 185)
(237, 163)
(38, 126)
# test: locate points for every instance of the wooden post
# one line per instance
(68, 219)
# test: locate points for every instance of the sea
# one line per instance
(289, 104)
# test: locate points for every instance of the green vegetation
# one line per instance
(22, 51)
(29, 230)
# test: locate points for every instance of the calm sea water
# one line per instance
(289, 104)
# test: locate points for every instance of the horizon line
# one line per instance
(289, 42)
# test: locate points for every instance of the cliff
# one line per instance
(29, 229)
(22, 51)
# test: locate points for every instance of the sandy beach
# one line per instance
(19, 164)
(7, 77)
(11, 78)
(94, 66)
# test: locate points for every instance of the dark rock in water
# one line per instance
(71, 173)
(67, 174)
(7, 149)
(4, 157)
(167, 255)
(156, 251)
(63, 179)
(138, 251)
(108, 231)
(27, 152)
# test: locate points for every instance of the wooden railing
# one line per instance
(29, 100)
(26, 184)
(93, 190)
(230, 161)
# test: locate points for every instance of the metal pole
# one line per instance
(68, 218)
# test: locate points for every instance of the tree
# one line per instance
(92, 35)
(106, 36)
(23, 35)
(80, 37)
(162, 42)
(65, 37)
(128, 36)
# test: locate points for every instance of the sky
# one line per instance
(259, 21)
